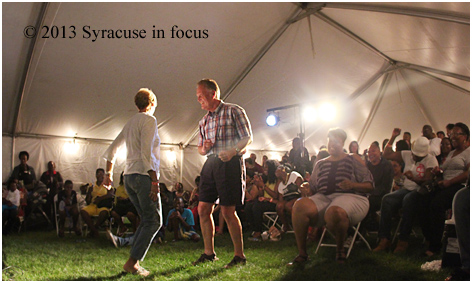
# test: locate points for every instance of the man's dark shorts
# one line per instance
(224, 180)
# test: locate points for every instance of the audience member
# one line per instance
(53, 181)
(449, 128)
(382, 172)
(193, 204)
(455, 174)
(124, 207)
(10, 205)
(167, 199)
(354, 150)
(341, 185)
(100, 201)
(180, 221)
(401, 145)
(418, 166)
(298, 156)
(24, 173)
(434, 142)
(322, 154)
(258, 168)
(179, 192)
(288, 191)
(250, 167)
(407, 138)
(440, 134)
(67, 206)
(264, 160)
(82, 197)
(398, 177)
(264, 203)
(446, 147)
(461, 212)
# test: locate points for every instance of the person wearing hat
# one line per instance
(418, 166)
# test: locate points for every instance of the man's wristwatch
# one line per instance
(238, 151)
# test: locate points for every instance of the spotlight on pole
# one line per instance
(272, 120)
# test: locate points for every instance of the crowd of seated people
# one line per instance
(410, 179)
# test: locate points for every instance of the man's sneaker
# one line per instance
(112, 238)
(384, 245)
(236, 260)
(204, 258)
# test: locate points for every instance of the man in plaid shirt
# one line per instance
(224, 133)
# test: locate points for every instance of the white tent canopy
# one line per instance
(384, 65)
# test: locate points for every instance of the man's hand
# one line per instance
(108, 181)
(154, 191)
(226, 155)
(207, 145)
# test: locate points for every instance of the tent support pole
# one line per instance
(436, 71)
(375, 106)
(441, 81)
(454, 17)
(181, 162)
(416, 98)
(253, 63)
(352, 35)
(24, 78)
(369, 83)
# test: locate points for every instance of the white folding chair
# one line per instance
(271, 220)
(350, 246)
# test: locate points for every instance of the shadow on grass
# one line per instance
(97, 278)
(205, 274)
(171, 270)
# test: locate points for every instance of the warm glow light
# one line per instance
(309, 114)
(272, 120)
(171, 156)
(71, 147)
(327, 111)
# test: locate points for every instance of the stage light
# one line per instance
(327, 111)
(272, 120)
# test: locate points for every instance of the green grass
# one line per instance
(40, 255)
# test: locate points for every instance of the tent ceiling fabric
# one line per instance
(77, 86)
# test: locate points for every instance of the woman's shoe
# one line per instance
(299, 260)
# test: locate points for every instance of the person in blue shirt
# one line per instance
(180, 221)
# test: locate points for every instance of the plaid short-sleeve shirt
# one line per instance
(225, 127)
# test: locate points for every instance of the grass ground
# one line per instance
(40, 255)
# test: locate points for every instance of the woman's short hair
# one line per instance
(144, 98)
(337, 133)
(23, 153)
(210, 85)
(464, 129)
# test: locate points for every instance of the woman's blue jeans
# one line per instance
(138, 188)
